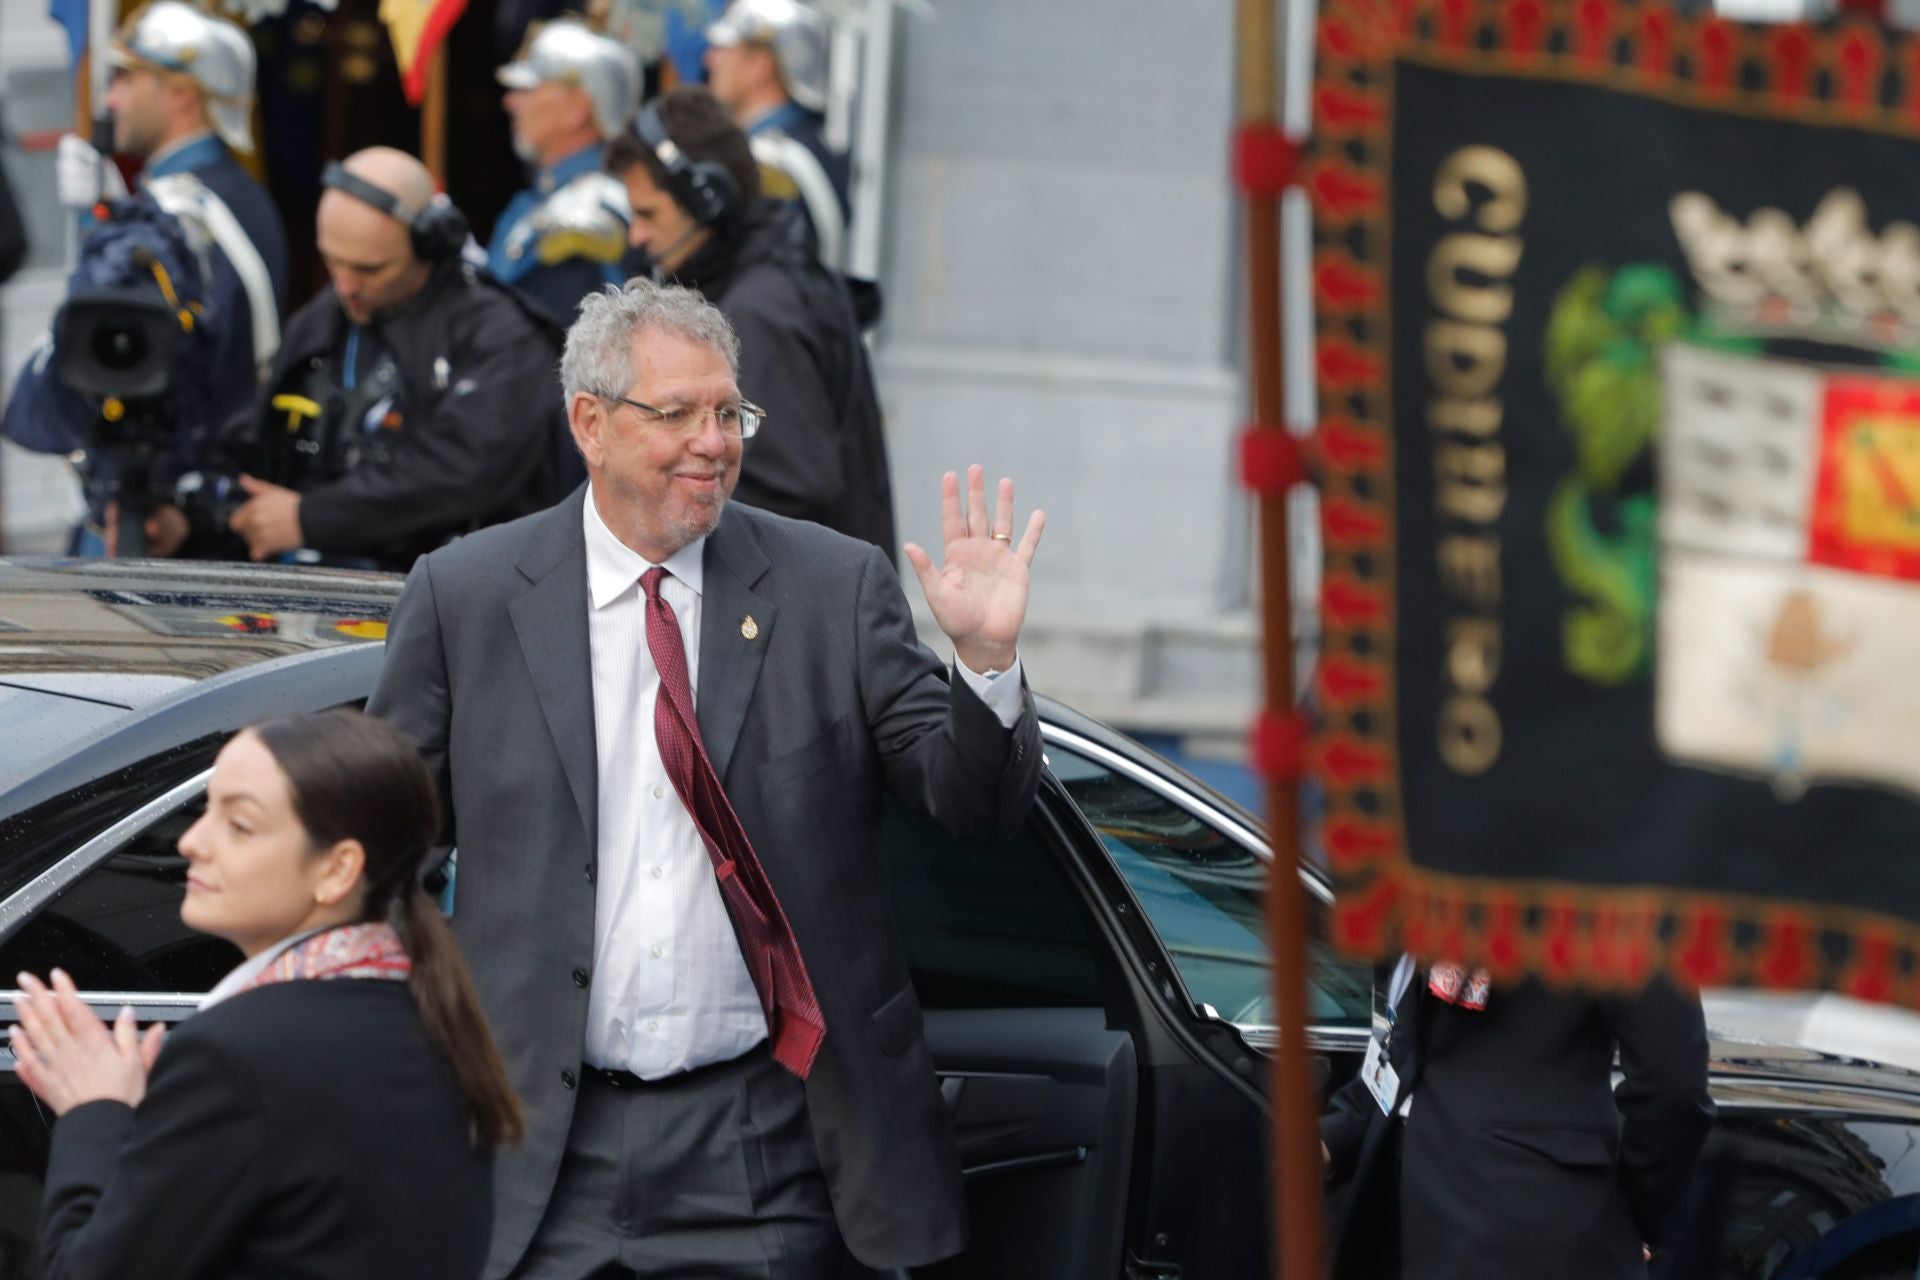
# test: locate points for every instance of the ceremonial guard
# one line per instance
(568, 91)
(767, 64)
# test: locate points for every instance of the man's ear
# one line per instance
(578, 108)
(587, 419)
(766, 65)
(184, 101)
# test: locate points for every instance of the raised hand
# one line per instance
(979, 594)
(67, 1056)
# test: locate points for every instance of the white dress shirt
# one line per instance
(670, 990)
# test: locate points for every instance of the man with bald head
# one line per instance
(413, 400)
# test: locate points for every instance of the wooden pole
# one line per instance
(1295, 1164)
(433, 117)
(83, 93)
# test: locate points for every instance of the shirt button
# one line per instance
(567, 1080)
(592, 875)
(579, 977)
(658, 951)
(658, 872)
(659, 793)
(651, 1026)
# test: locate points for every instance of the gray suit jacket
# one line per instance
(832, 703)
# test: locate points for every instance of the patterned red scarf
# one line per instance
(352, 951)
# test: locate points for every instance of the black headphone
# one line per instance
(438, 231)
(704, 188)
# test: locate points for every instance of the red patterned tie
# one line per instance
(766, 941)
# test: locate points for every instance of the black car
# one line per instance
(1095, 990)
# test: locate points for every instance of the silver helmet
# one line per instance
(797, 34)
(567, 51)
(215, 54)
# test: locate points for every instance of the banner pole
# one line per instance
(1263, 162)
(433, 117)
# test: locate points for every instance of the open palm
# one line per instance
(979, 593)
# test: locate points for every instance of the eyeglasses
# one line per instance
(741, 419)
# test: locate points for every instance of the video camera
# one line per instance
(130, 343)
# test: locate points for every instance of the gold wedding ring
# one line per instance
(1001, 537)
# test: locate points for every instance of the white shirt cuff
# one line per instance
(1001, 692)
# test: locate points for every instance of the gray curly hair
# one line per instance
(599, 354)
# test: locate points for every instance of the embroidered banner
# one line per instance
(1618, 319)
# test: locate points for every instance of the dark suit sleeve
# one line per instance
(796, 465)
(1344, 1128)
(412, 692)
(942, 750)
(1663, 1100)
(166, 1190)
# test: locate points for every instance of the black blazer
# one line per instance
(300, 1130)
(1520, 1159)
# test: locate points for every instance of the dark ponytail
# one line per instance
(450, 1012)
(356, 778)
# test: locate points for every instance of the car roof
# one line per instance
(104, 662)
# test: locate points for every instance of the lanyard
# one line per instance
(1397, 989)
(351, 374)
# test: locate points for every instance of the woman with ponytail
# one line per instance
(332, 1110)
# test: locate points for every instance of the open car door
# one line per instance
(1095, 994)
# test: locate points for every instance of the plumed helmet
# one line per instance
(567, 51)
(215, 54)
(797, 34)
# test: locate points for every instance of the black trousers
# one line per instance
(708, 1176)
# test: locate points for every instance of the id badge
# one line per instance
(1382, 1081)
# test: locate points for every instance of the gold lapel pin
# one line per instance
(749, 628)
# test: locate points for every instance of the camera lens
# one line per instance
(119, 347)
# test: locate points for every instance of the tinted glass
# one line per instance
(33, 840)
(1804, 1194)
(988, 926)
(119, 929)
(1204, 893)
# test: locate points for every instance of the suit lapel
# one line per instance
(731, 651)
(550, 619)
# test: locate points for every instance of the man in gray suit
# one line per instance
(664, 724)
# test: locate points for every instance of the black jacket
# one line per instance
(1519, 1158)
(821, 455)
(481, 436)
(306, 1130)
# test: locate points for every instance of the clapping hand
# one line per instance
(979, 595)
(67, 1056)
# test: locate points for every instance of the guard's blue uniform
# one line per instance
(805, 128)
(564, 237)
(235, 360)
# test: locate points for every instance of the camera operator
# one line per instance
(181, 100)
(699, 219)
(413, 400)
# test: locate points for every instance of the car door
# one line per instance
(107, 911)
(1095, 996)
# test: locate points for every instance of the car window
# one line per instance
(35, 838)
(118, 927)
(988, 926)
(1204, 892)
